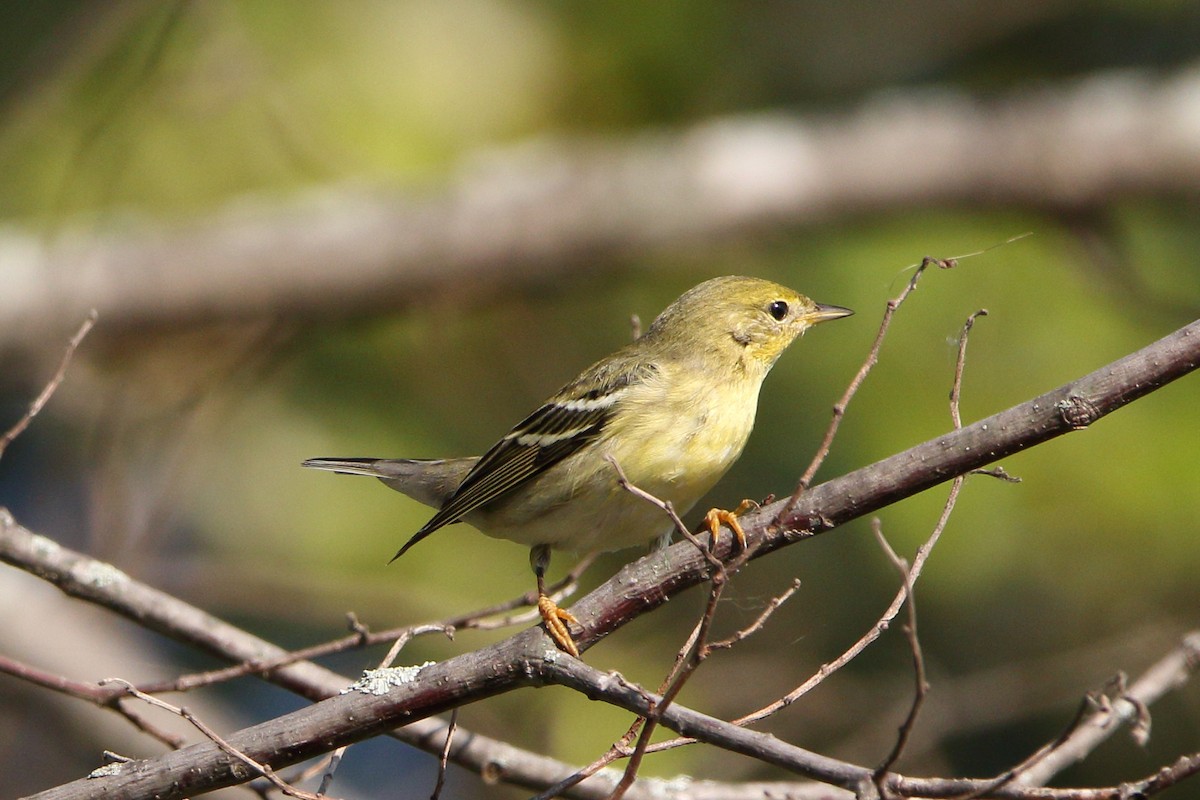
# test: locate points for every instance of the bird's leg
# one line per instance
(719, 516)
(554, 617)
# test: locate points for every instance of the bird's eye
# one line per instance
(778, 309)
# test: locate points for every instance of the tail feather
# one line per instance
(428, 481)
(374, 467)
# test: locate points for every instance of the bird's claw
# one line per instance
(717, 517)
(556, 620)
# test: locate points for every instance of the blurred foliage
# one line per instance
(172, 109)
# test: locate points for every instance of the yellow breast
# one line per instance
(677, 446)
(674, 446)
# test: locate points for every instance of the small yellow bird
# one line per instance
(673, 409)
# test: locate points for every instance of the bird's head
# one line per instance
(750, 320)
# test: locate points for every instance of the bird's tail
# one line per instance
(428, 481)
(374, 467)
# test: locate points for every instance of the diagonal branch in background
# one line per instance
(40, 401)
(1167, 674)
(528, 658)
(548, 207)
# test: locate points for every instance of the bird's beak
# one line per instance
(824, 312)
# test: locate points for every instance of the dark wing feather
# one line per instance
(511, 463)
(544, 438)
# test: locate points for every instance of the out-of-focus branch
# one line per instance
(551, 206)
(1167, 674)
(40, 401)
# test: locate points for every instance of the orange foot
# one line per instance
(556, 620)
(717, 517)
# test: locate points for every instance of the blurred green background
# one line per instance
(173, 448)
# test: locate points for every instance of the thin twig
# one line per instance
(618, 749)
(362, 637)
(697, 651)
(689, 656)
(331, 766)
(694, 649)
(875, 631)
(913, 572)
(401, 641)
(171, 740)
(1004, 778)
(36, 406)
(445, 757)
(311, 771)
(960, 364)
(91, 692)
(996, 472)
(910, 630)
(667, 507)
(914, 643)
(1184, 767)
(755, 626)
(215, 738)
(58, 683)
(839, 408)
(1168, 673)
(693, 652)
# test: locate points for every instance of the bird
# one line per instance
(669, 413)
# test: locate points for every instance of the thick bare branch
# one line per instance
(530, 659)
(80, 576)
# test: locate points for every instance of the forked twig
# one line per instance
(910, 630)
(479, 619)
(839, 408)
(898, 601)
(1166, 674)
(914, 643)
(687, 660)
(215, 738)
(693, 650)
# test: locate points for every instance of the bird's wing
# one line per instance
(567, 422)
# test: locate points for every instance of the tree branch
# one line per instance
(1167, 674)
(40, 401)
(530, 659)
